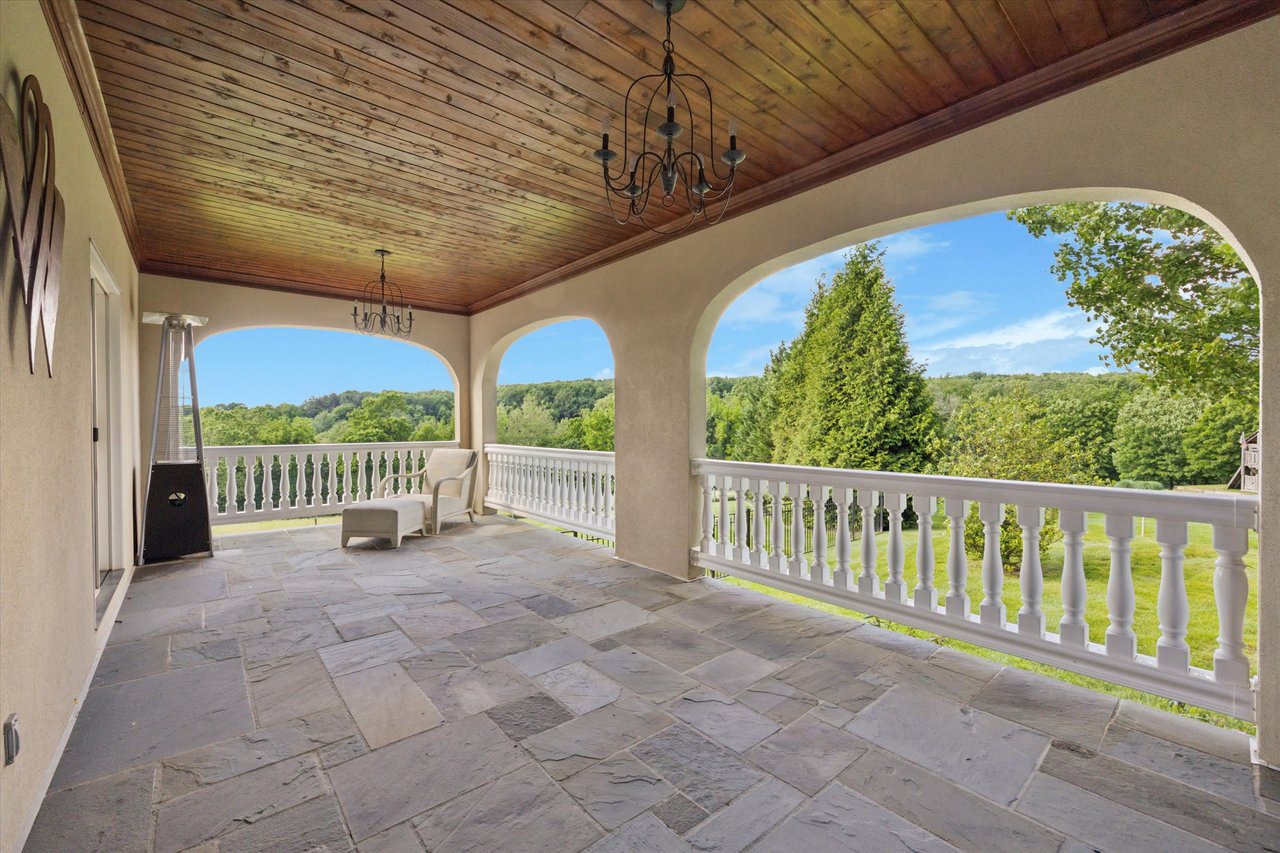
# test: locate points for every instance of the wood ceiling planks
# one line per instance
(277, 142)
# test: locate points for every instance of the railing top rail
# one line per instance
(1235, 510)
(557, 452)
(225, 449)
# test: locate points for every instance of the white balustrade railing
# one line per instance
(758, 519)
(569, 488)
(255, 482)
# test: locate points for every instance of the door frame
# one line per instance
(100, 278)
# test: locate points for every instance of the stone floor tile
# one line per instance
(832, 715)
(524, 807)
(724, 720)
(579, 688)
(1220, 821)
(425, 625)
(831, 685)
(714, 608)
(733, 671)
(679, 813)
(139, 624)
(290, 640)
(849, 655)
(184, 773)
(343, 750)
(965, 664)
(984, 753)
(408, 777)
(643, 834)
(359, 628)
(775, 634)
(504, 612)
(1224, 743)
(207, 652)
(1195, 768)
(644, 595)
(895, 641)
(394, 584)
(750, 816)
(312, 826)
(505, 638)
(109, 815)
(671, 643)
(527, 717)
(550, 606)
(552, 655)
(1048, 705)
(605, 620)
(571, 746)
(617, 789)
(462, 692)
(219, 809)
(147, 591)
(137, 722)
(400, 838)
(1099, 822)
(286, 688)
(777, 700)
(434, 659)
(807, 754)
(128, 661)
(704, 771)
(842, 820)
(899, 669)
(947, 810)
(370, 651)
(387, 704)
(641, 674)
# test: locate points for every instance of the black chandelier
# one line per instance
(668, 173)
(380, 310)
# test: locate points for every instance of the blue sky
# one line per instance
(977, 294)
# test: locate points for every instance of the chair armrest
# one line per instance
(458, 478)
(382, 484)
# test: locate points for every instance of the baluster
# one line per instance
(739, 520)
(818, 567)
(758, 557)
(314, 459)
(233, 508)
(1172, 651)
(580, 490)
(991, 610)
(722, 525)
(895, 588)
(1073, 630)
(365, 462)
(608, 495)
(957, 560)
(868, 580)
(796, 491)
(1121, 641)
(1031, 575)
(593, 492)
(924, 596)
(250, 485)
(331, 499)
(842, 577)
(708, 513)
(777, 548)
(1231, 592)
(211, 483)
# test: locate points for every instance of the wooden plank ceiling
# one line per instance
(278, 143)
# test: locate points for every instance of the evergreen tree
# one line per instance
(846, 391)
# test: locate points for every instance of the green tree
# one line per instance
(433, 429)
(1212, 443)
(530, 424)
(1149, 437)
(597, 425)
(287, 430)
(848, 394)
(380, 417)
(1170, 295)
(1011, 438)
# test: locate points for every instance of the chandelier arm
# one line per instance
(608, 197)
(626, 122)
(711, 129)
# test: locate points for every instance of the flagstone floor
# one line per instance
(502, 687)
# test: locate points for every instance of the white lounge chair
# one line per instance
(443, 488)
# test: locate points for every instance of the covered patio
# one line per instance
(503, 686)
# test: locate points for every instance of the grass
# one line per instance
(1202, 629)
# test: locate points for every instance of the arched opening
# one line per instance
(335, 413)
(1010, 387)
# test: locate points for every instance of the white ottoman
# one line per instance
(382, 518)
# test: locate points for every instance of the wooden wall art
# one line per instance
(36, 211)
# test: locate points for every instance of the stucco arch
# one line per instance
(487, 359)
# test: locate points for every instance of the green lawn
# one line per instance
(1202, 629)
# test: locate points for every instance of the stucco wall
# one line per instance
(48, 639)
(1197, 130)
(229, 307)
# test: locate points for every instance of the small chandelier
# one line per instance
(672, 177)
(380, 310)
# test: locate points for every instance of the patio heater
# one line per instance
(176, 512)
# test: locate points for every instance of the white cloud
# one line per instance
(748, 363)
(909, 245)
(605, 373)
(781, 297)
(946, 312)
(1054, 326)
